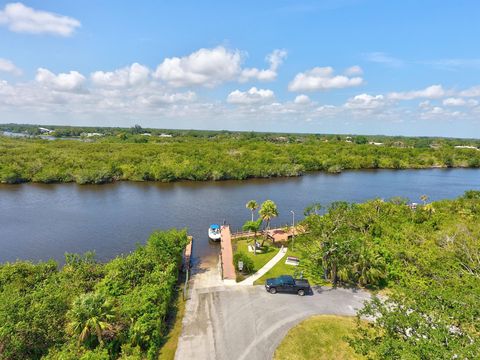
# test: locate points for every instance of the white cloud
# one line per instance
(132, 75)
(471, 92)
(302, 100)
(69, 82)
(354, 70)
(275, 59)
(23, 19)
(437, 112)
(205, 67)
(424, 104)
(431, 92)
(327, 110)
(384, 59)
(252, 96)
(9, 67)
(454, 102)
(162, 99)
(322, 78)
(365, 102)
(472, 102)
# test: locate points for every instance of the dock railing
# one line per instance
(246, 234)
(187, 262)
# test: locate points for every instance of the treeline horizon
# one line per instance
(77, 130)
(135, 157)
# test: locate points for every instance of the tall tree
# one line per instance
(252, 205)
(253, 226)
(267, 212)
(89, 317)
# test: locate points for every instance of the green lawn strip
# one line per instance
(319, 337)
(280, 268)
(260, 259)
(167, 352)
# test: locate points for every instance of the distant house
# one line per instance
(466, 147)
(90, 134)
(146, 134)
(165, 135)
(375, 143)
(45, 130)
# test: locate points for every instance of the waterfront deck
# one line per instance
(279, 236)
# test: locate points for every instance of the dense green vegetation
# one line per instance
(128, 154)
(427, 258)
(89, 310)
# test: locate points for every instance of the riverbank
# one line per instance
(202, 159)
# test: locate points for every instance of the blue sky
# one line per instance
(345, 66)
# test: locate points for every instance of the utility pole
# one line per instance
(293, 229)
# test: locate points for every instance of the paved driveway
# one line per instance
(246, 322)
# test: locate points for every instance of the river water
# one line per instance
(39, 222)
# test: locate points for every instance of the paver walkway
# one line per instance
(273, 261)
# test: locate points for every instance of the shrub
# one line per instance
(248, 266)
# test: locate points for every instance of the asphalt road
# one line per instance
(246, 322)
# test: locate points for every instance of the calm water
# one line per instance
(38, 222)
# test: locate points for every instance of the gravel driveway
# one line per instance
(246, 322)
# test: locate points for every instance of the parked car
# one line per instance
(286, 283)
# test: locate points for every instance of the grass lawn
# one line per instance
(167, 352)
(319, 337)
(260, 259)
(280, 268)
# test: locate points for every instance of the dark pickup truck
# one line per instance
(286, 283)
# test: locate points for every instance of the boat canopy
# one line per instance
(214, 227)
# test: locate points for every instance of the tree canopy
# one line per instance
(428, 259)
(90, 310)
(130, 155)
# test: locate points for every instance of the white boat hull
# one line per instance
(214, 235)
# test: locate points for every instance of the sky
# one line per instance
(346, 66)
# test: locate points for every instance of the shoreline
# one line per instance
(253, 178)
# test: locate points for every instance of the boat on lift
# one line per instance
(214, 232)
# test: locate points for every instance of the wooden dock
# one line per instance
(228, 269)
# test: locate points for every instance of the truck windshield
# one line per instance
(287, 280)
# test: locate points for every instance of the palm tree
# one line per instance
(253, 226)
(424, 198)
(369, 268)
(90, 315)
(267, 211)
(252, 205)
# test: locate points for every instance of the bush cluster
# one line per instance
(89, 310)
